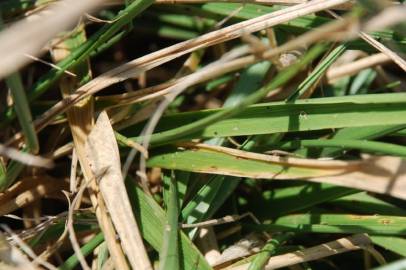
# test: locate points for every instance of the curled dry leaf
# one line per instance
(103, 156)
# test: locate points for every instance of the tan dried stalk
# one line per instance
(104, 158)
(354, 67)
(355, 242)
(80, 118)
(38, 30)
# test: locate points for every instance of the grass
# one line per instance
(268, 160)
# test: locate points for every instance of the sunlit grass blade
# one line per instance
(336, 223)
(275, 117)
(342, 144)
(394, 244)
(169, 255)
(23, 112)
(364, 133)
(366, 204)
(318, 72)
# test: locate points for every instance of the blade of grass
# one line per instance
(275, 117)
(365, 133)
(169, 257)
(385, 174)
(318, 72)
(364, 145)
(23, 113)
(394, 244)
(341, 245)
(283, 200)
(336, 223)
(22, 109)
(364, 203)
(397, 265)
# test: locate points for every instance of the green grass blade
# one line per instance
(394, 244)
(283, 201)
(96, 40)
(365, 133)
(318, 72)
(169, 255)
(221, 163)
(276, 117)
(342, 144)
(364, 203)
(23, 112)
(337, 223)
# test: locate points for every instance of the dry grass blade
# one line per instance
(379, 46)
(341, 245)
(388, 17)
(380, 174)
(54, 20)
(136, 67)
(261, 2)
(102, 153)
(80, 118)
(384, 174)
(154, 92)
(25, 158)
(354, 67)
(284, 160)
